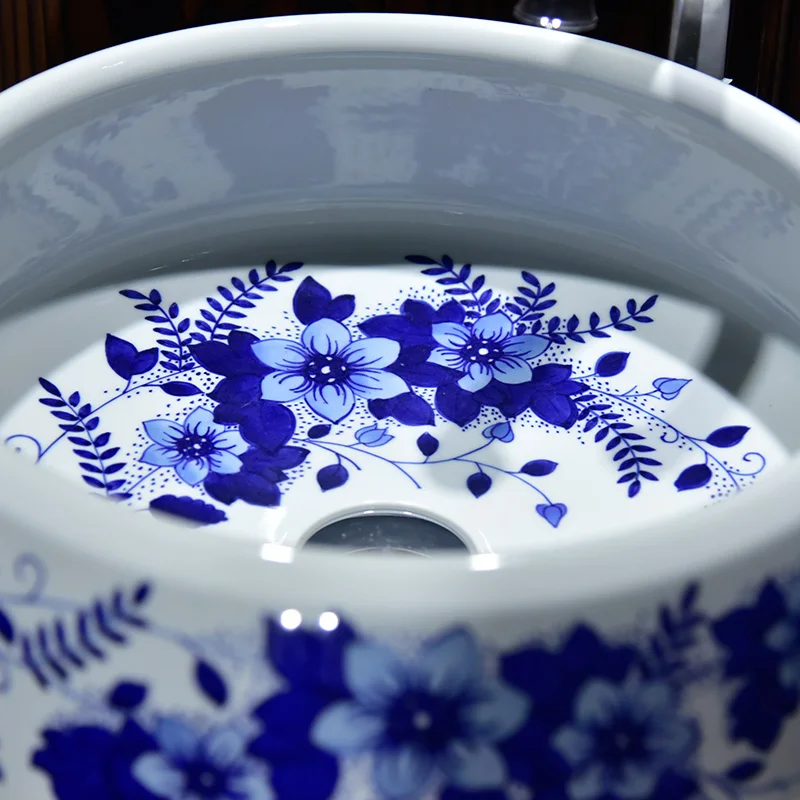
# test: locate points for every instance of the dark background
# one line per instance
(763, 53)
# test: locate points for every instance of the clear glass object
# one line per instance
(572, 16)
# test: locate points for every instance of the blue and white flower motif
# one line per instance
(195, 448)
(435, 716)
(670, 388)
(188, 766)
(486, 350)
(623, 738)
(783, 638)
(373, 436)
(329, 370)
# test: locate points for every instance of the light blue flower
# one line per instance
(373, 436)
(329, 370)
(437, 715)
(486, 350)
(784, 638)
(502, 431)
(623, 738)
(188, 766)
(195, 448)
(670, 388)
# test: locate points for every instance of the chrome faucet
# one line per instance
(698, 38)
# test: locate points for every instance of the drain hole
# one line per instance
(392, 534)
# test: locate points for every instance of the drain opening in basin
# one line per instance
(387, 533)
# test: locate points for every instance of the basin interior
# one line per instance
(349, 163)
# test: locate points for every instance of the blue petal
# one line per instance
(331, 402)
(598, 703)
(157, 776)
(375, 353)
(511, 370)
(376, 384)
(450, 665)
(790, 673)
(446, 357)
(163, 431)
(590, 784)
(193, 470)
(652, 700)
(475, 766)
(478, 376)
(231, 441)
(374, 674)
(500, 711)
(450, 335)
(177, 740)
(527, 346)
(251, 787)
(280, 354)
(575, 746)
(224, 463)
(224, 747)
(636, 781)
(402, 771)
(792, 593)
(493, 327)
(782, 636)
(284, 387)
(201, 422)
(347, 728)
(326, 337)
(160, 456)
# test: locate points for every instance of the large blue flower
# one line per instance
(195, 448)
(597, 731)
(188, 766)
(486, 350)
(762, 644)
(328, 369)
(437, 715)
(623, 738)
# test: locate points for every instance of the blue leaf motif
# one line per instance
(188, 508)
(210, 683)
(427, 444)
(539, 467)
(745, 771)
(312, 302)
(332, 477)
(694, 477)
(553, 513)
(318, 431)
(6, 627)
(479, 483)
(127, 696)
(727, 437)
(126, 360)
(180, 389)
(407, 408)
(611, 364)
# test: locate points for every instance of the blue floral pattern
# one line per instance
(248, 414)
(577, 714)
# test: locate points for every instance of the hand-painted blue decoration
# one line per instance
(195, 448)
(580, 714)
(252, 405)
(438, 714)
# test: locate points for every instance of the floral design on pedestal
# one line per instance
(252, 408)
(578, 713)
